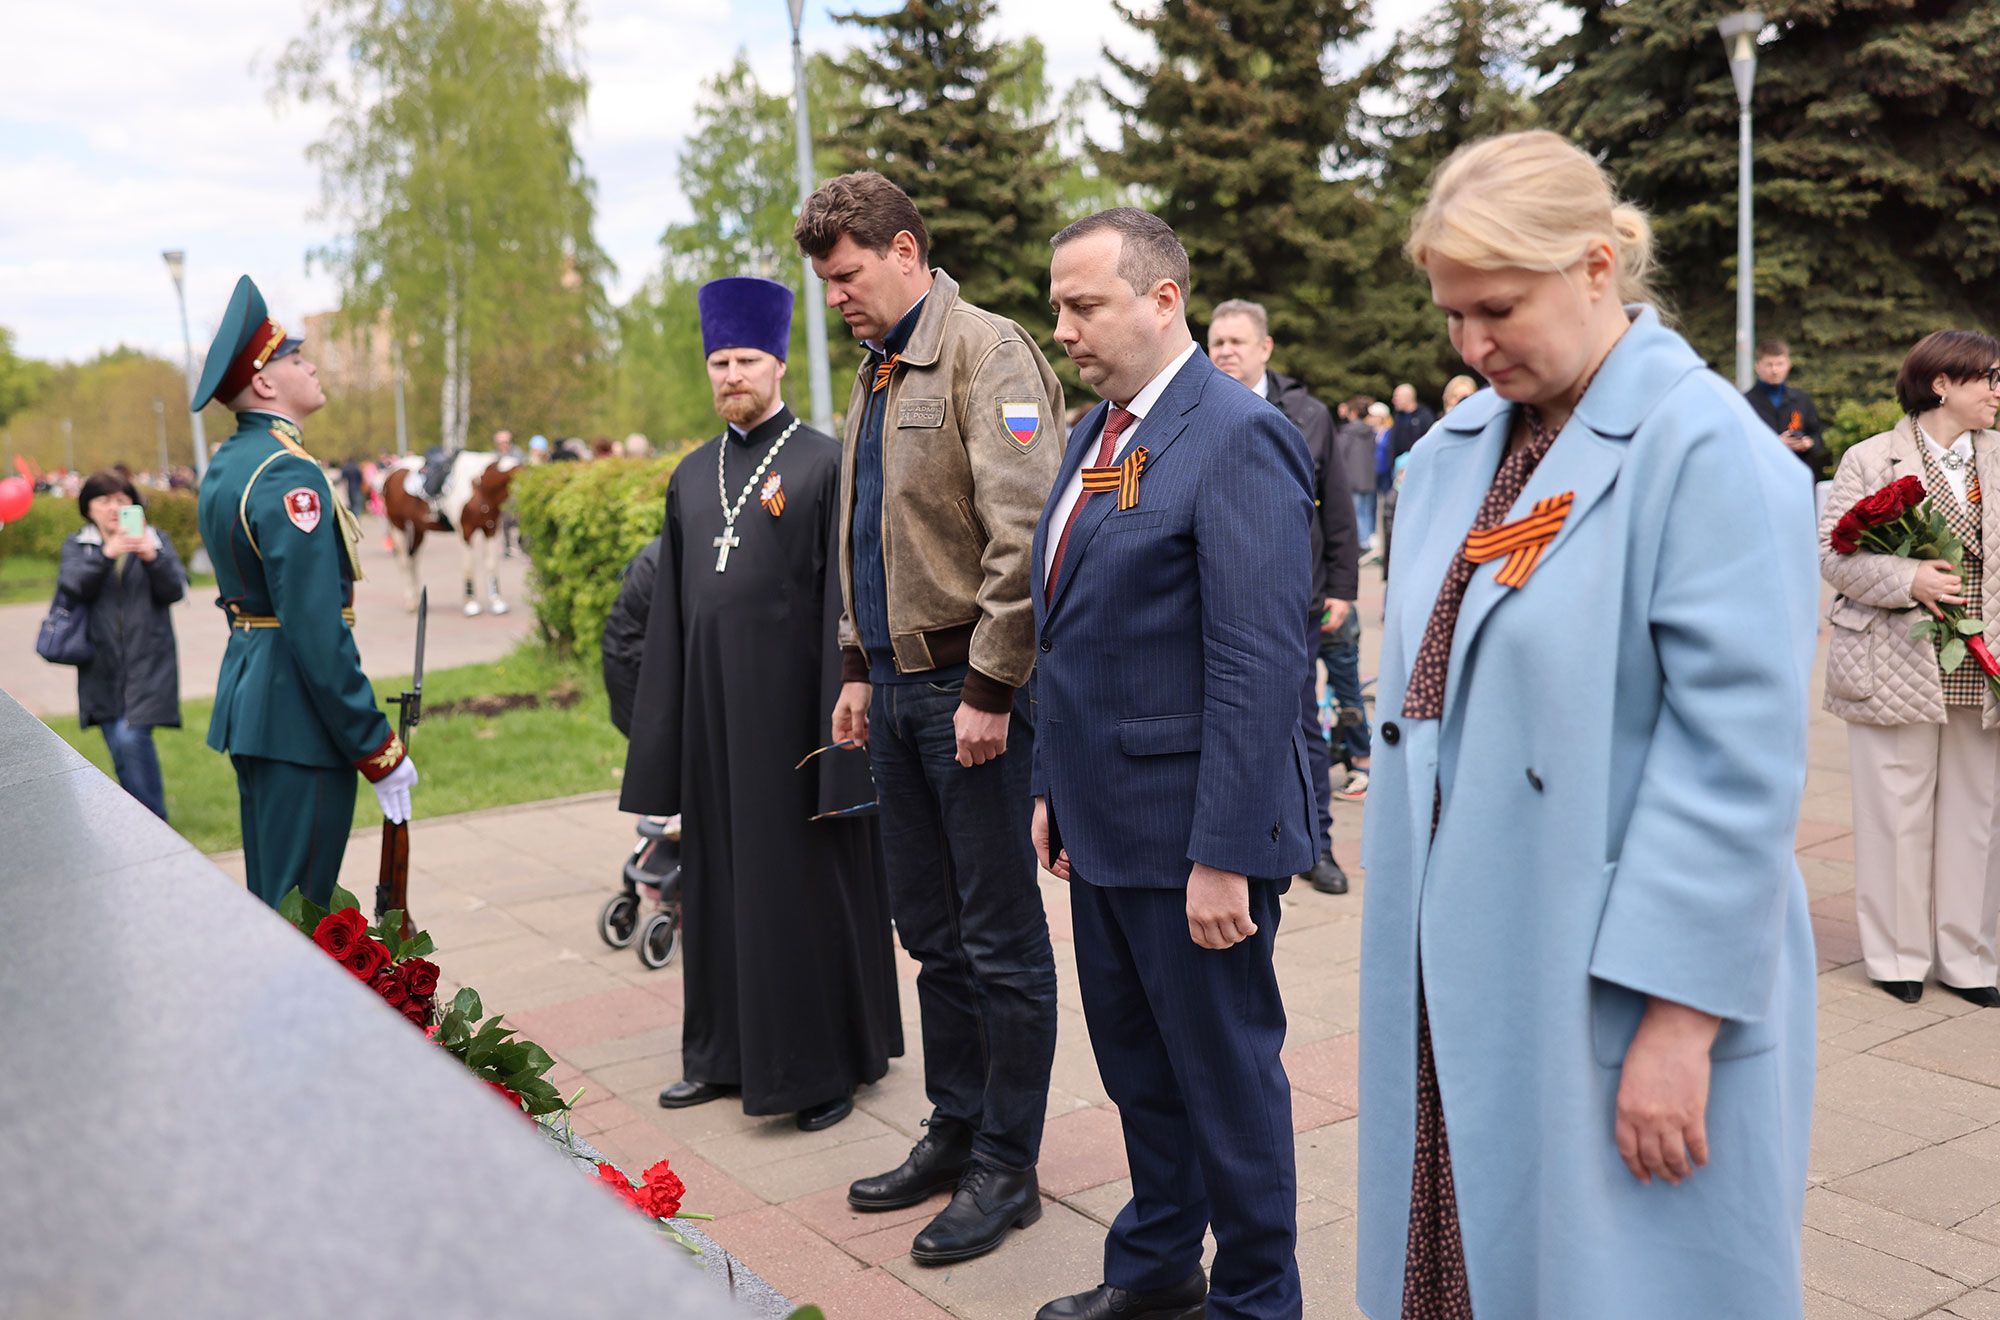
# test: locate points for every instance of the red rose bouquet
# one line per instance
(397, 969)
(1900, 520)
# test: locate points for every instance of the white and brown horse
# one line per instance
(474, 490)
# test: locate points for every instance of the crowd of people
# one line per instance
(889, 678)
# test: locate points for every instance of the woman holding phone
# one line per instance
(128, 576)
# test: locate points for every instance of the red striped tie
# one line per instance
(1114, 426)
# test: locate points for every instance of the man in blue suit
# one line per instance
(1171, 787)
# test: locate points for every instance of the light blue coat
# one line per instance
(1622, 758)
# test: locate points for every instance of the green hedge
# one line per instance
(1854, 421)
(581, 524)
(52, 519)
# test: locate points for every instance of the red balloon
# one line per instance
(15, 497)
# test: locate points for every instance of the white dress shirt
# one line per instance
(1962, 447)
(1263, 386)
(1141, 404)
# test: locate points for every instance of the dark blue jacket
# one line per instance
(1167, 683)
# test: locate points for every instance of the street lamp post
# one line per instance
(176, 265)
(160, 433)
(69, 447)
(1739, 36)
(815, 311)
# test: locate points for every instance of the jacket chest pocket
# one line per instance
(1851, 670)
(1131, 520)
(919, 411)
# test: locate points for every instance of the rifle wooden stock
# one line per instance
(392, 888)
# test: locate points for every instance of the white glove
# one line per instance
(393, 791)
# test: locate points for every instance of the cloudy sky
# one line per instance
(140, 126)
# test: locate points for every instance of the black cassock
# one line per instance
(789, 972)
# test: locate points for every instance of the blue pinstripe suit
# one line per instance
(1167, 733)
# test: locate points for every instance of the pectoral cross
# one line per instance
(723, 544)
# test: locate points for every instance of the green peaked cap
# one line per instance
(246, 342)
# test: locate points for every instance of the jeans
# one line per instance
(1341, 649)
(137, 763)
(1318, 759)
(1364, 517)
(963, 892)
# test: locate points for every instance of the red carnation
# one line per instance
(609, 1175)
(421, 975)
(391, 987)
(663, 1192)
(338, 932)
(1981, 653)
(366, 958)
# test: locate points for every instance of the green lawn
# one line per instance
(466, 760)
(25, 578)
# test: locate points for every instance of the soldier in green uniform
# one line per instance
(293, 710)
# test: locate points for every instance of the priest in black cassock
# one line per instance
(790, 994)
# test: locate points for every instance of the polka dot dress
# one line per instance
(1434, 1283)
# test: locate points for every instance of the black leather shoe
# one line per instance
(685, 1094)
(988, 1202)
(1326, 875)
(1985, 996)
(1907, 991)
(817, 1118)
(1183, 1301)
(936, 1164)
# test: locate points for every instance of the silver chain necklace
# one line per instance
(729, 540)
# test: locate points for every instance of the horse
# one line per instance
(474, 489)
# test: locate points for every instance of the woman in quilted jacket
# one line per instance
(1924, 744)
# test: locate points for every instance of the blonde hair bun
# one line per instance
(1531, 201)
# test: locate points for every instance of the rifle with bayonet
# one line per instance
(392, 887)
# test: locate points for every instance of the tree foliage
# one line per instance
(109, 403)
(1241, 133)
(450, 161)
(960, 122)
(1877, 168)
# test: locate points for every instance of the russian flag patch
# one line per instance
(1023, 419)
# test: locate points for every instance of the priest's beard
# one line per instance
(741, 410)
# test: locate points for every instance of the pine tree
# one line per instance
(1237, 132)
(1876, 158)
(939, 110)
(1457, 74)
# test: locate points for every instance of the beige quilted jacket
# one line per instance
(1875, 673)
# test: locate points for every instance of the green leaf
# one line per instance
(343, 899)
(1971, 627)
(1951, 655)
(807, 1313)
(419, 946)
(1922, 628)
(466, 1002)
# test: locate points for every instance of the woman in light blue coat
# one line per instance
(1587, 969)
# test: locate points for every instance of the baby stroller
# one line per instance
(648, 908)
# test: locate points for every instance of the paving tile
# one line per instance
(1334, 998)
(590, 1019)
(873, 1294)
(1819, 1306)
(1967, 1260)
(655, 1043)
(1310, 1111)
(1938, 1185)
(1328, 1068)
(828, 1214)
(1326, 1270)
(1843, 1144)
(1876, 1282)
(1081, 1149)
(1966, 1045)
(812, 1170)
(1981, 1305)
(1909, 1099)
(791, 1257)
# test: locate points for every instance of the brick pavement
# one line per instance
(1903, 1217)
(384, 633)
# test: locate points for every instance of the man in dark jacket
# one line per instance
(1786, 408)
(128, 579)
(1239, 342)
(624, 639)
(1413, 421)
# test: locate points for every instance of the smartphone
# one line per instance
(132, 520)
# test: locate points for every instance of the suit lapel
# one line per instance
(1162, 425)
(1082, 440)
(1462, 480)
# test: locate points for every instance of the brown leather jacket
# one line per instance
(961, 493)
